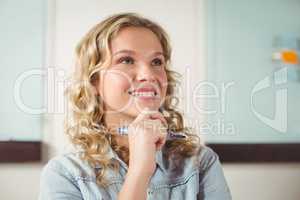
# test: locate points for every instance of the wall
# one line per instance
(70, 20)
(241, 39)
(21, 50)
(19, 181)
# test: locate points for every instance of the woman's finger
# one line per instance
(158, 115)
(161, 140)
(150, 114)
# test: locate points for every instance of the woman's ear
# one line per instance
(95, 91)
(94, 80)
(161, 109)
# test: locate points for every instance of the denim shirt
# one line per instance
(67, 177)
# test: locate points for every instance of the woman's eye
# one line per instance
(126, 60)
(157, 62)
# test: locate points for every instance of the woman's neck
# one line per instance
(114, 121)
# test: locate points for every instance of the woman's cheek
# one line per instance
(164, 83)
(114, 84)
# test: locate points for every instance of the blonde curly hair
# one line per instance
(84, 123)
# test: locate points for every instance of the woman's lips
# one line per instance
(146, 92)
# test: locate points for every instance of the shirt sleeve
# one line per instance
(212, 183)
(57, 184)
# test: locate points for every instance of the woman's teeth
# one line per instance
(143, 94)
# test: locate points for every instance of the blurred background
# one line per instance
(239, 62)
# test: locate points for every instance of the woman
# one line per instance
(123, 79)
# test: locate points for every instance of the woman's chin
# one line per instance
(141, 104)
(149, 106)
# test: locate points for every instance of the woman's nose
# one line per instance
(145, 73)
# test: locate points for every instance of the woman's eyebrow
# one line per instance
(124, 51)
(157, 53)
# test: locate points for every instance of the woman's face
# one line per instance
(136, 78)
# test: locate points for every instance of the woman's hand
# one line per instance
(146, 134)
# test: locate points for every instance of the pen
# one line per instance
(171, 135)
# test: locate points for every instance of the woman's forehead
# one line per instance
(135, 40)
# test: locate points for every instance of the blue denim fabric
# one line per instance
(67, 177)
